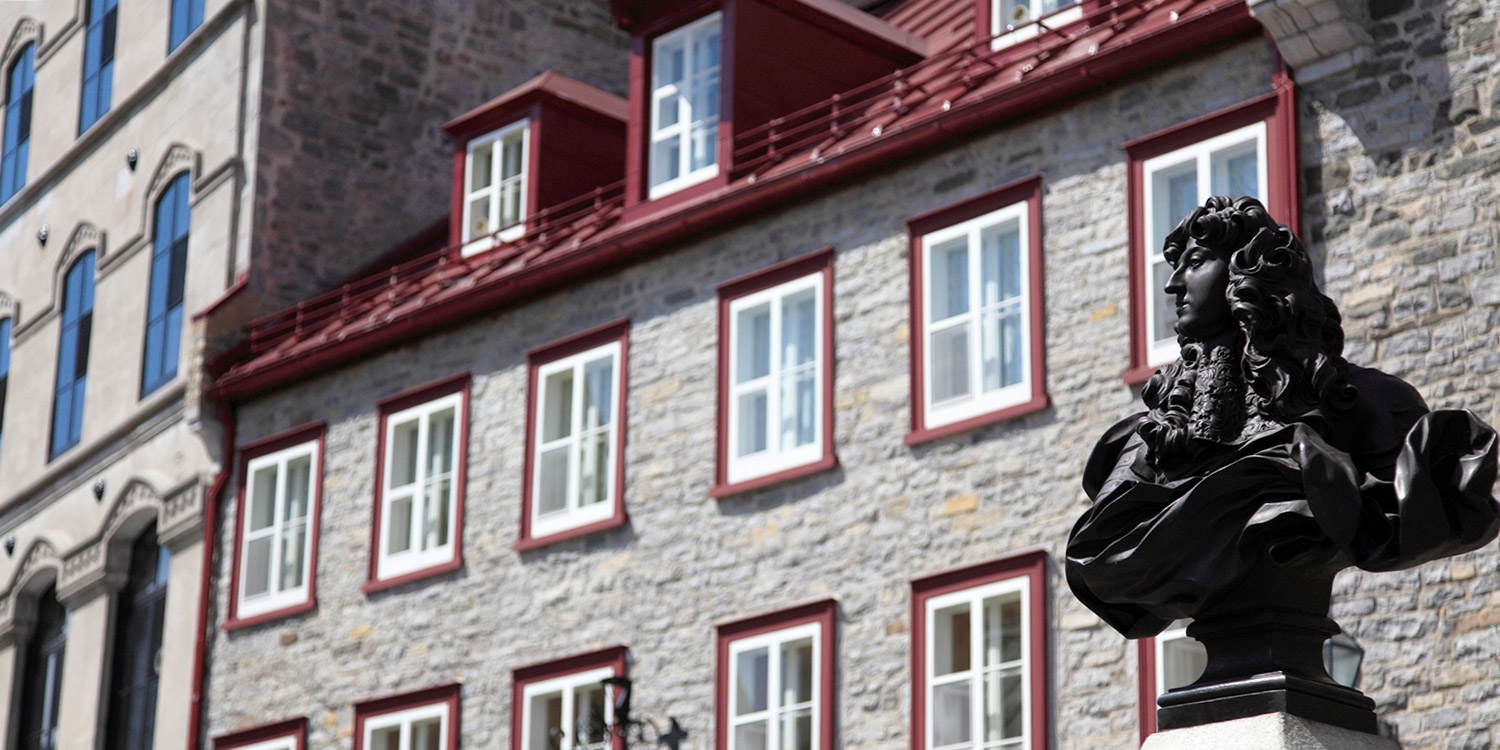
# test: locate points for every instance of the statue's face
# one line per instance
(1198, 284)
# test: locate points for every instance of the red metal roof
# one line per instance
(959, 88)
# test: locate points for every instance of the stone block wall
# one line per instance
(351, 155)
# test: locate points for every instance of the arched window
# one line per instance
(73, 355)
(138, 626)
(98, 62)
(41, 685)
(17, 124)
(168, 273)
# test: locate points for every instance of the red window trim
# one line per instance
(295, 728)
(479, 128)
(1028, 190)
(729, 291)
(1145, 650)
(824, 613)
(618, 330)
(638, 203)
(449, 694)
(1031, 564)
(392, 404)
(614, 657)
(1278, 110)
(312, 431)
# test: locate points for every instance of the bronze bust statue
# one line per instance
(1264, 465)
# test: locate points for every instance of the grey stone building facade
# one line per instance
(159, 164)
(833, 595)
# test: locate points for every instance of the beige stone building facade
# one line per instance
(173, 169)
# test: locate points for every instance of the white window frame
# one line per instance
(1176, 632)
(1006, 31)
(774, 458)
(977, 402)
(572, 516)
(566, 685)
(975, 597)
(405, 718)
(681, 130)
(1202, 155)
(284, 742)
(390, 565)
(475, 244)
(772, 642)
(273, 600)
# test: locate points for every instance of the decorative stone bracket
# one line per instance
(1316, 37)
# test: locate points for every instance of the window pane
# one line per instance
(482, 169)
(753, 418)
(798, 328)
(950, 279)
(1000, 347)
(950, 363)
(403, 469)
(750, 736)
(1183, 660)
(258, 566)
(588, 702)
(667, 110)
(705, 145)
(950, 652)
(1002, 629)
(593, 469)
(1174, 193)
(950, 713)
(750, 684)
(426, 734)
(293, 544)
(552, 494)
(435, 515)
(1000, 263)
(557, 405)
(797, 408)
(797, 672)
(510, 203)
(479, 217)
(298, 484)
(398, 534)
(263, 498)
(386, 738)
(598, 394)
(1165, 306)
(1233, 171)
(668, 63)
(753, 350)
(666, 161)
(440, 443)
(1002, 705)
(510, 163)
(546, 721)
(796, 730)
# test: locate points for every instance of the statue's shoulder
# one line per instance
(1385, 411)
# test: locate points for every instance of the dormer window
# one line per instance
(685, 106)
(1011, 20)
(496, 196)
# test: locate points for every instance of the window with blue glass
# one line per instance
(164, 300)
(73, 355)
(187, 15)
(98, 62)
(4, 369)
(17, 124)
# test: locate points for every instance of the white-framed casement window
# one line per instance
(289, 742)
(575, 444)
(276, 535)
(978, 681)
(776, 363)
(685, 106)
(420, 728)
(774, 683)
(976, 316)
(418, 485)
(1232, 164)
(1010, 20)
(568, 712)
(1179, 659)
(495, 173)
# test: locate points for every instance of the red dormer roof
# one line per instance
(553, 88)
(959, 89)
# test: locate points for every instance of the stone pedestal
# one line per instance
(1278, 731)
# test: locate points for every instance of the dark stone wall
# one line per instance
(351, 157)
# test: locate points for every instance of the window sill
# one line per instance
(916, 437)
(528, 543)
(240, 623)
(381, 584)
(785, 475)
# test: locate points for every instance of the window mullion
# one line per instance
(1203, 165)
(775, 371)
(419, 498)
(278, 523)
(975, 314)
(773, 695)
(575, 436)
(976, 671)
